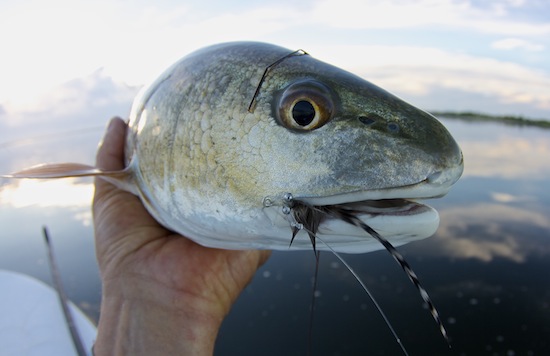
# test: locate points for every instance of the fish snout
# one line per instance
(448, 176)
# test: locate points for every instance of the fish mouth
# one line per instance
(369, 209)
(398, 220)
(395, 213)
(395, 207)
(386, 215)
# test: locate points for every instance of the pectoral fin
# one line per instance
(60, 170)
(121, 178)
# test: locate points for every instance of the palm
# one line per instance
(132, 248)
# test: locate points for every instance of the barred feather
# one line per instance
(348, 217)
(309, 218)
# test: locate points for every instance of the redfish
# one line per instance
(226, 141)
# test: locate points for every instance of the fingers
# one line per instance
(110, 155)
(107, 197)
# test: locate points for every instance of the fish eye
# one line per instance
(305, 106)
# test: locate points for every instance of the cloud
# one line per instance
(422, 71)
(84, 101)
(45, 45)
(507, 157)
(65, 124)
(47, 193)
(509, 44)
(502, 197)
(497, 151)
(487, 231)
(135, 43)
(497, 18)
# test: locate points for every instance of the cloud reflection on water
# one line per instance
(507, 157)
(71, 194)
(486, 231)
(46, 193)
(500, 208)
(496, 151)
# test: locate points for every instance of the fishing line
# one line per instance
(394, 333)
(305, 218)
(312, 303)
(353, 220)
(252, 105)
(378, 307)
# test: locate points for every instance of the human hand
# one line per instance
(162, 293)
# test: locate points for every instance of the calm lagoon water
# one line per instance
(486, 268)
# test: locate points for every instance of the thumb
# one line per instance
(110, 155)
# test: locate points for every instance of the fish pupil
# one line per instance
(303, 113)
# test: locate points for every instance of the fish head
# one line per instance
(272, 125)
(337, 139)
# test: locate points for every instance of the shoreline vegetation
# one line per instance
(504, 119)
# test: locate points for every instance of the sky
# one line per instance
(77, 63)
(71, 65)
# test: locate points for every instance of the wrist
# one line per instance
(161, 321)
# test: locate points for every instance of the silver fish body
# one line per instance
(211, 169)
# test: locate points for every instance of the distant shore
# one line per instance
(505, 119)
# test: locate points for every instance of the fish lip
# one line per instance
(406, 193)
(435, 185)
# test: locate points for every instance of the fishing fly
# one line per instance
(308, 218)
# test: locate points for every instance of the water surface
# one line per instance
(486, 268)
